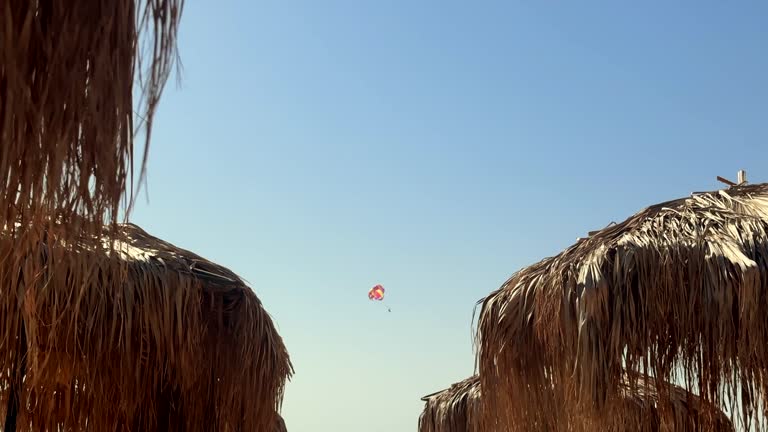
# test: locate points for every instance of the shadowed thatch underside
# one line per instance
(280, 424)
(67, 76)
(680, 286)
(146, 337)
(458, 409)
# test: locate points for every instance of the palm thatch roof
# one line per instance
(70, 71)
(280, 424)
(454, 409)
(135, 335)
(677, 288)
(458, 409)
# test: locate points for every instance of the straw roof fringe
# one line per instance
(146, 337)
(67, 124)
(458, 409)
(68, 72)
(280, 424)
(453, 409)
(680, 286)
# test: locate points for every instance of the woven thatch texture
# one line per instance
(68, 76)
(146, 337)
(68, 71)
(458, 409)
(680, 286)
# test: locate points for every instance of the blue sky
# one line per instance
(319, 148)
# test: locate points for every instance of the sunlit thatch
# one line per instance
(458, 409)
(148, 337)
(680, 286)
(152, 337)
(454, 409)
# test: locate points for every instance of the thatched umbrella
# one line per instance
(280, 424)
(67, 84)
(458, 409)
(85, 317)
(145, 336)
(677, 288)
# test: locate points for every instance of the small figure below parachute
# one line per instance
(377, 294)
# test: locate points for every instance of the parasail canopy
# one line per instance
(376, 293)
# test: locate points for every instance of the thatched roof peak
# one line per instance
(146, 336)
(680, 284)
(454, 409)
(79, 84)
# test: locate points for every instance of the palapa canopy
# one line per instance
(458, 409)
(143, 337)
(676, 291)
(454, 409)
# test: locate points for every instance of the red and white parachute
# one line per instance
(377, 294)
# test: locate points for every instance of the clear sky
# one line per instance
(320, 147)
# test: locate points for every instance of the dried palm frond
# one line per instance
(280, 424)
(678, 287)
(145, 336)
(454, 409)
(67, 76)
(67, 128)
(458, 409)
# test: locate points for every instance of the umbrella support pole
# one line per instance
(17, 381)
